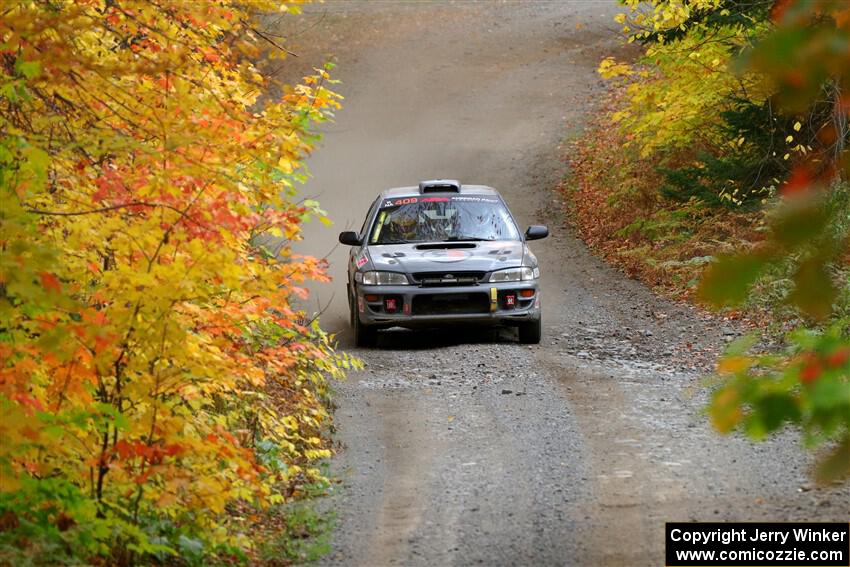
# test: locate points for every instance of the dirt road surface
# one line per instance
(467, 448)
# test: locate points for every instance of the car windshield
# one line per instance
(440, 219)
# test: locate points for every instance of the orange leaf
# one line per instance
(733, 364)
(50, 282)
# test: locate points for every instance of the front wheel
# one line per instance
(364, 336)
(529, 333)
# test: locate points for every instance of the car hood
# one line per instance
(448, 256)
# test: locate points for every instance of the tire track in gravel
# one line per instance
(401, 505)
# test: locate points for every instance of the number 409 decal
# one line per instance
(400, 202)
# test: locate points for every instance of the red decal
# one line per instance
(510, 300)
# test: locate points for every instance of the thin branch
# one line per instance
(112, 208)
(270, 40)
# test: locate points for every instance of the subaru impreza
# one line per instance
(442, 254)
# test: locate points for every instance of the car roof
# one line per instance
(464, 190)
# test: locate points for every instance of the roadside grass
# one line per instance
(302, 535)
(296, 532)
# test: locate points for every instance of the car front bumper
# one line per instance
(504, 303)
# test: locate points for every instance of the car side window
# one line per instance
(365, 226)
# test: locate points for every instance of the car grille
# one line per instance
(447, 278)
(451, 304)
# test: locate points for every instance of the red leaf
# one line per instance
(28, 401)
(123, 449)
(50, 282)
(811, 372)
(173, 449)
(778, 9)
(799, 182)
(101, 344)
(838, 358)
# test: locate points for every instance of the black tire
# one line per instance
(529, 333)
(364, 336)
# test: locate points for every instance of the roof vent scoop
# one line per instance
(440, 186)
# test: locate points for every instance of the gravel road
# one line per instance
(461, 448)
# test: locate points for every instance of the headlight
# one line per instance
(380, 278)
(515, 275)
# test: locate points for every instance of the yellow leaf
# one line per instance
(733, 364)
(285, 165)
(725, 410)
(609, 68)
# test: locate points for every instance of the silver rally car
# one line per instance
(439, 254)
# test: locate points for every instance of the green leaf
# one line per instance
(740, 346)
(727, 282)
(835, 465)
(190, 546)
(800, 225)
(814, 292)
(28, 69)
(773, 410)
(830, 395)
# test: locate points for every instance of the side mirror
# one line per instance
(349, 238)
(536, 232)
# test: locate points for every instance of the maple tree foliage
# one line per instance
(153, 368)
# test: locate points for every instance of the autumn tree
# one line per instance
(155, 374)
(693, 100)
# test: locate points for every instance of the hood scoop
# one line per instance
(445, 245)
